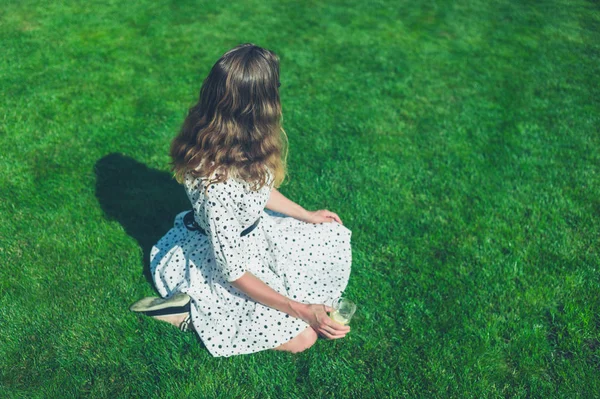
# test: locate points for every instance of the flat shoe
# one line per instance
(155, 306)
(186, 324)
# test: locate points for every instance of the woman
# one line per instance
(245, 279)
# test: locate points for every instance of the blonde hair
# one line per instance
(236, 126)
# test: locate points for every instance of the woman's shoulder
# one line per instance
(213, 184)
(217, 183)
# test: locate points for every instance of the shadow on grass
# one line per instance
(145, 201)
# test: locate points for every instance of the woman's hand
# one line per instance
(321, 216)
(279, 203)
(316, 316)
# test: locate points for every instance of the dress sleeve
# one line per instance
(224, 233)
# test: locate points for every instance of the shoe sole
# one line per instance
(155, 304)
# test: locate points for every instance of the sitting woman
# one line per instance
(243, 278)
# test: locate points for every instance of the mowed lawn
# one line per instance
(459, 141)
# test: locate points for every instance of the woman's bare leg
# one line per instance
(175, 319)
(301, 342)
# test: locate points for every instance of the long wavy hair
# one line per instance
(236, 126)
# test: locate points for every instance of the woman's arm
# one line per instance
(279, 203)
(314, 315)
(256, 289)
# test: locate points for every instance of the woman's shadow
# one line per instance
(145, 201)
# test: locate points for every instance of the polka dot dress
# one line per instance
(309, 263)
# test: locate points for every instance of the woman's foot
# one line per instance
(174, 310)
(175, 319)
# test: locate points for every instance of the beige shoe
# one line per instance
(186, 325)
(155, 306)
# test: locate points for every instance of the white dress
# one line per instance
(309, 263)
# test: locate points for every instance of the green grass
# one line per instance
(459, 141)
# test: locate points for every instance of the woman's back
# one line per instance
(233, 195)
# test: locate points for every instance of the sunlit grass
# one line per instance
(457, 140)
